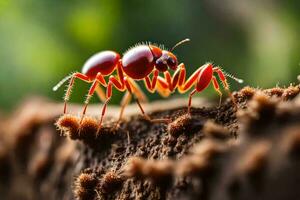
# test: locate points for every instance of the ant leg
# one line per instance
(108, 96)
(190, 100)
(112, 82)
(162, 87)
(225, 84)
(203, 80)
(71, 83)
(150, 85)
(127, 98)
(178, 78)
(183, 85)
(125, 101)
(100, 93)
(129, 88)
(99, 79)
(138, 91)
(102, 114)
(158, 83)
(217, 89)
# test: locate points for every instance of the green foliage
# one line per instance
(42, 41)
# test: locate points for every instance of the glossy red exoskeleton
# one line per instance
(142, 62)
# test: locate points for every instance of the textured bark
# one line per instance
(252, 152)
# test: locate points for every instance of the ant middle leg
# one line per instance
(118, 85)
(134, 92)
(124, 102)
(108, 96)
(99, 79)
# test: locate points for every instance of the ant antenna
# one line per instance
(60, 83)
(180, 43)
(234, 78)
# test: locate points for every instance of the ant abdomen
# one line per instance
(104, 62)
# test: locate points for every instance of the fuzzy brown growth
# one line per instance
(247, 92)
(84, 186)
(109, 182)
(290, 92)
(284, 93)
(152, 169)
(183, 160)
(5, 168)
(262, 104)
(184, 124)
(261, 109)
(87, 131)
(291, 141)
(213, 130)
(276, 91)
(201, 158)
(254, 159)
(69, 125)
(198, 161)
(191, 165)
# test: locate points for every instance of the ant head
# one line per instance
(166, 59)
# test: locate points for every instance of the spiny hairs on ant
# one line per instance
(161, 46)
(147, 43)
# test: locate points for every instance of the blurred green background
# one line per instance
(44, 40)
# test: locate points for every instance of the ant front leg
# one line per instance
(162, 87)
(129, 88)
(203, 79)
(179, 79)
(225, 84)
(217, 89)
(99, 79)
(150, 85)
(158, 83)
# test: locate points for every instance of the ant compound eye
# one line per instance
(172, 63)
(161, 66)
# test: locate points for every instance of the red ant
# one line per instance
(137, 64)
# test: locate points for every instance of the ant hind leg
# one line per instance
(217, 89)
(72, 78)
(125, 101)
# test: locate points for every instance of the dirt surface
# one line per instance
(251, 151)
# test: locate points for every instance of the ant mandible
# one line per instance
(137, 64)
